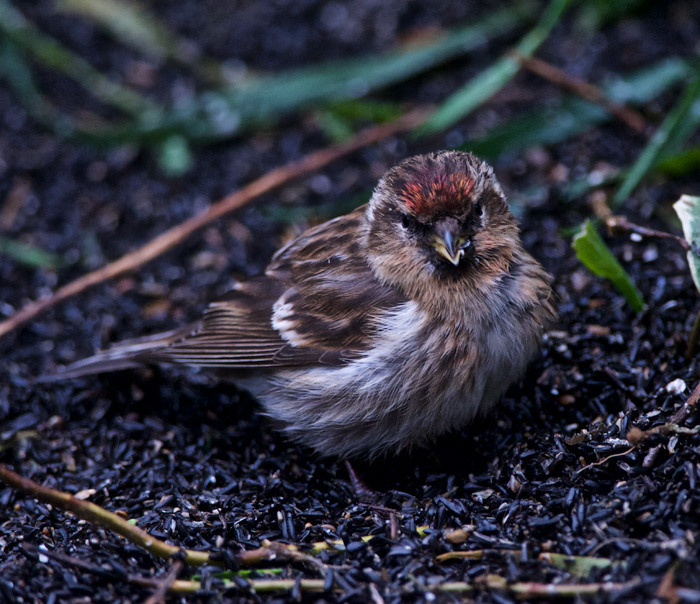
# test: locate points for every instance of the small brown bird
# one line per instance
(383, 328)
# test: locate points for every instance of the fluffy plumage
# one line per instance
(381, 329)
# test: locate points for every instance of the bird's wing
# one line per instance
(316, 305)
(333, 299)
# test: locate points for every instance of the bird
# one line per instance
(380, 330)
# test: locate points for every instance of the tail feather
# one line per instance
(128, 354)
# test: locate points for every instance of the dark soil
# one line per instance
(191, 459)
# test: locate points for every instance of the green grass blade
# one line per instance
(679, 124)
(593, 252)
(134, 25)
(15, 71)
(580, 566)
(219, 114)
(356, 77)
(688, 210)
(51, 53)
(128, 22)
(490, 81)
(28, 254)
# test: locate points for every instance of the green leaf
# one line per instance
(678, 126)
(581, 566)
(174, 156)
(491, 80)
(688, 210)
(593, 252)
(28, 254)
(681, 164)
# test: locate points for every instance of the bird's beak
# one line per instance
(450, 247)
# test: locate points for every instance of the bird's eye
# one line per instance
(413, 225)
(478, 209)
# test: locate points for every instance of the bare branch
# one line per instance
(91, 512)
(176, 235)
(165, 584)
(620, 223)
(586, 90)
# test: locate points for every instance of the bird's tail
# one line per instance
(128, 354)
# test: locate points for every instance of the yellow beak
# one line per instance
(450, 249)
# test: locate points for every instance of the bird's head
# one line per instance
(439, 216)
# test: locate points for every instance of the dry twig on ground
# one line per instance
(177, 234)
(586, 90)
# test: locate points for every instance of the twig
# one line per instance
(256, 585)
(164, 584)
(604, 460)
(94, 513)
(586, 90)
(269, 550)
(522, 590)
(176, 235)
(77, 562)
(15, 199)
(97, 515)
(472, 554)
(291, 552)
(688, 407)
(91, 512)
(176, 585)
(620, 223)
(667, 588)
(527, 589)
(636, 436)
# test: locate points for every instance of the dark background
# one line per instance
(193, 461)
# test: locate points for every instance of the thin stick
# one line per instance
(586, 90)
(635, 435)
(688, 407)
(66, 559)
(473, 554)
(91, 512)
(182, 586)
(523, 590)
(489, 581)
(177, 234)
(604, 460)
(620, 223)
(165, 584)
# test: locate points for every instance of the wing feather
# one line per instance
(315, 305)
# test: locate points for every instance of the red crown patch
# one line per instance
(440, 192)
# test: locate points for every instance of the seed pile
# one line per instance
(559, 468)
